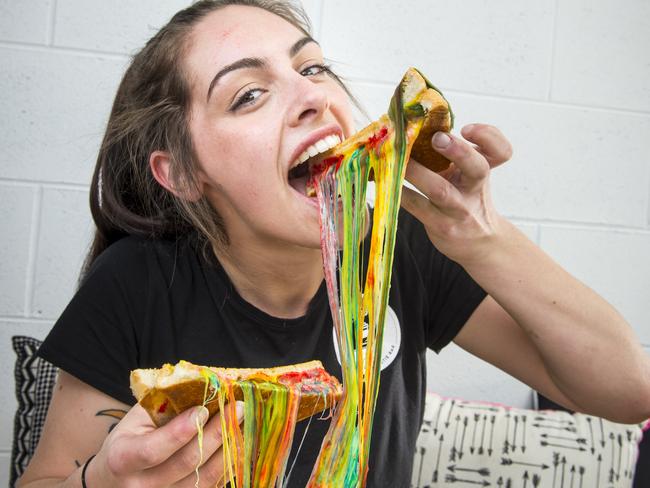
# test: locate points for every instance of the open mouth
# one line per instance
(307, 164)
(299, 177)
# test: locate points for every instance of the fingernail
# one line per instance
(201, 415)
(239, 407)
(441, 140)
(468, 128)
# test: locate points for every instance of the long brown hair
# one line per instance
(150, 113)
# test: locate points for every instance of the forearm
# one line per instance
(589, 351)
(73, 481)
(577, 341)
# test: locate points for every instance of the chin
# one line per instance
(305, 236)
(313, 241)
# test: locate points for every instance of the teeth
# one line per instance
(332, 140)
(322, 146)
(318, 147)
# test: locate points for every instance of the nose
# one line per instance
(309, 100)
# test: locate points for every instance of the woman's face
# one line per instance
(260, 98)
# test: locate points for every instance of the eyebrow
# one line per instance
(254, 62)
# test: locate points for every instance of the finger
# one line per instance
(471, 163)
(418, 205)
(435, 222)
(211, 471)
(210, 474)
(437, 190)
(136, 420)
(186, 459)
(192, 454)
(490, 142)
(451, 173)
(139, 452)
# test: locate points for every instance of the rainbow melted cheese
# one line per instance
(255, 453)
(382, 151)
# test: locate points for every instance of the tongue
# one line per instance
(300, 183)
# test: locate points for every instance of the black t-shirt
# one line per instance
(145, 303)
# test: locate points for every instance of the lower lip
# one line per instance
(313, 201)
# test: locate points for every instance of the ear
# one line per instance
(160, 164)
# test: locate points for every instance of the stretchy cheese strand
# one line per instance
(255, 454)
(341, 191)
(209, 393)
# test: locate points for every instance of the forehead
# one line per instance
(234, 32)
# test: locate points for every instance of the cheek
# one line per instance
(342, 109)
(222, 153)
(240, 162)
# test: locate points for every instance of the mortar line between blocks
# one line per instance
(595, 226)
(556, 8)
(551, 103)
(35, 233)
(25, 46)
(648, 202)
(62, 185)
(451, 92)
(26, 320)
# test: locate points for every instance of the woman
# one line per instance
(207, 250)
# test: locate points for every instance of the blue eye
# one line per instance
(315, 69)
(248, 98)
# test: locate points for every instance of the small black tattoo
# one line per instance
(115, 413)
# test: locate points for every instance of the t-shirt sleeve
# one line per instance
(450, 292)
(95, 337)
(454, 297)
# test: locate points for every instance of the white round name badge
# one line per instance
(391, 343)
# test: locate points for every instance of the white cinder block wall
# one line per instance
(567, 81)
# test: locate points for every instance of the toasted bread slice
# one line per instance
(172, 389)
(438, 117)
(420, 99)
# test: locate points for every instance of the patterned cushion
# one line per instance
(35, 379)
(642, 472)
(478, 444)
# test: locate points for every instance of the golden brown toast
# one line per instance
(422, 99)
(166, 392)
(438, 117)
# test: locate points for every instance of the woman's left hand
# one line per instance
(455, 206)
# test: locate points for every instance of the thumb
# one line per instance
(136, 419)
(154, 445)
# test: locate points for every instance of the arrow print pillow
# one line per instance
(466, 444)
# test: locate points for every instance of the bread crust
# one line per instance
(438, 118)
(418, 92)
(168, 391)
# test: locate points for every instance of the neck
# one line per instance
(280, 282)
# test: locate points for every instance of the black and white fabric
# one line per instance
(465, 443)
(35, 379)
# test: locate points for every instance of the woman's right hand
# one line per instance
(132, 453)
(137, 453)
